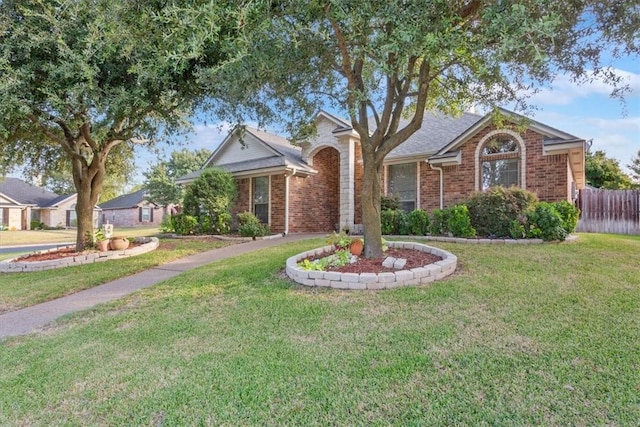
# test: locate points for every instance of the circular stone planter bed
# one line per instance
(409, 277)
(16, 266)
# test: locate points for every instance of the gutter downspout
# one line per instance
(441, 184)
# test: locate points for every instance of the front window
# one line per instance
(402, 184)
(146, 214)
(261, 198)
(500, 160)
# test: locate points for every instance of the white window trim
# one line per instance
(523, 156)
(386, 179)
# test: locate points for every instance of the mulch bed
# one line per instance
(415, 259)
(60, 254)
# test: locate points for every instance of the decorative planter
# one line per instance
(103, 245)
(356, 247)
(118, 243)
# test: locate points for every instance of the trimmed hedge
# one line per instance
(499, 212)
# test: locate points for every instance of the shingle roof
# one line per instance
(27, 194)
(126, 201)
(436, 132)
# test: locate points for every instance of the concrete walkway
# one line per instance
(32, 318)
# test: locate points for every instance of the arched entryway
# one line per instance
(324, 191)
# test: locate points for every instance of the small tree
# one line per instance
(160, 180)
(605, 172)
(210, 198)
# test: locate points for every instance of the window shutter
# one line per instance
(68, 218)
(139, 214)
(151, 214)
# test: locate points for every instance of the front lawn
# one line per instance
(520, 335)
(18, 290)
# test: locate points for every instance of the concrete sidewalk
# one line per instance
(32, 318)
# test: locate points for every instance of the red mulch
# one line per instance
(415, 259)
(59, 254)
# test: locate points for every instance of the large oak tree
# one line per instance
(82, 79)
(385, 62)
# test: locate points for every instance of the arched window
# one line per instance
(500, 162)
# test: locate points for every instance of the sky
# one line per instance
(586, 111)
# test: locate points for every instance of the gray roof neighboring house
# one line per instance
(126, 201)
(27, 194)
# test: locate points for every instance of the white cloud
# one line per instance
(564, 91)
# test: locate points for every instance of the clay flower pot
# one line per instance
(356, 247)
(118, 243)
(103, 245)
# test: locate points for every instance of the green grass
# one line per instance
(18, 290)
(520, 335)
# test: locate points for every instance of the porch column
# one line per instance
(347, 184)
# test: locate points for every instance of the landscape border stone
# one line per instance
(373, 281)
(12, 266)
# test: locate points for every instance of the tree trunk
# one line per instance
(84, 212)
(371, 191)
(88, 180)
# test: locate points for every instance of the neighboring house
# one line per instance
(21, 203)
(131, 210)
(317, 187)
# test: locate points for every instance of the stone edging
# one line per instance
(9, 266)
(414, 276)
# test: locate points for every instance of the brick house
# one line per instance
(316, 187)
(21, 203)
(131, 210)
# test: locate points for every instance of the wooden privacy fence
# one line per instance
(609, 211)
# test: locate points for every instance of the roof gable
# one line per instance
(240, 146)
(547, 131)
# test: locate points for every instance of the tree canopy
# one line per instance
(160, 179)
(384, 63)
(78, 78)
(604, 172)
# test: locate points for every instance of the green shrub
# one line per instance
(209, 198)
(418, 222)
(394, 222)
(389, 202)
(184, 224)
(459, 221)
(493, 211)
(569, 213)
(250, 226)
(545, 221)
(166, 226)
(36, 225)
(439, 222)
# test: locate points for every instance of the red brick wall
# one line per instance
(545, 175)
(129, 217)
(242, 203)
(277, 204)
(315, 201)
